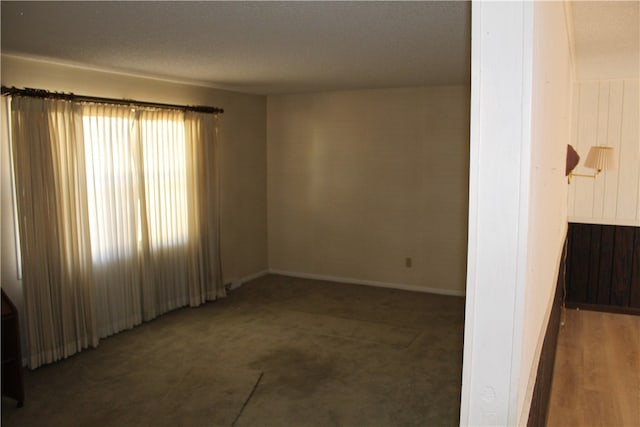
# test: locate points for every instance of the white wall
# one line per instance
(358, 181)
(520, 122)
(606, 112)
(243, 155)
(552, 89)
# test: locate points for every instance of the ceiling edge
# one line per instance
(116, 71)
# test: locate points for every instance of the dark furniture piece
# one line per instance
(12, 379)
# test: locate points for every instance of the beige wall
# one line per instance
(243, 153)
(359, 181)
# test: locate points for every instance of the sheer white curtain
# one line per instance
(57, 279)
(138, 200)
(203, 159)
(112, 168)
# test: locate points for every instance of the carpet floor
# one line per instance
(279, 351)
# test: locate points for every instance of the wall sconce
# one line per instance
(600, 157)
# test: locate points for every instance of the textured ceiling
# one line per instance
(606, 38)
(256, 47)
(291, 47)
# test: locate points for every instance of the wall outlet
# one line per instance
(408, 262)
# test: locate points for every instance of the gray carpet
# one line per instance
(278, 351)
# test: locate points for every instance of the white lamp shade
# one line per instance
(601, 158)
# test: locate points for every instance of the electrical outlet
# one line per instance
(408, 262)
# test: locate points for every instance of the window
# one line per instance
(118, 218)
(164, 157)
(123, 173)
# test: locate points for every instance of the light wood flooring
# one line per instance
(596, 378)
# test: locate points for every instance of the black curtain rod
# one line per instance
(40, 93)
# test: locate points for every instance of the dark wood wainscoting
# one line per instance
(603, 268)
(542, 389)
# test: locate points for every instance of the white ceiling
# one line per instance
(606, 38)
(256, 47)
(291, 47)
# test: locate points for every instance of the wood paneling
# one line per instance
(607, 113)
(594, 258)
(604, 253)
(542, 389)
(603, 267)
(579, 248)
(621, 273)
(635, 272)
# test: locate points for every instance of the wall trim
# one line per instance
(350, 280)
(603, 308)
(236, 283)
(607, 221)
(499, 231)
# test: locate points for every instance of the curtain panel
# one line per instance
(118, 218)
(57, 275)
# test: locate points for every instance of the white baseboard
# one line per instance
(236, 283)
(350, 280)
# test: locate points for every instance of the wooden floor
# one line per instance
(597, 371)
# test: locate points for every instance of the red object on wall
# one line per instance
(572, 159)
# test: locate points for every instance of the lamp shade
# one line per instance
(601, 158)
